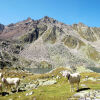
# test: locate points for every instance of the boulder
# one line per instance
(50, 82)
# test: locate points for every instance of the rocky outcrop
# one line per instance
(85, 32)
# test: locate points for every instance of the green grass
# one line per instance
(58, 91)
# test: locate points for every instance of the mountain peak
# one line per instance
(29, 18)
(47, 19)
(81, 24)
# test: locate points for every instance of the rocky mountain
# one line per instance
(49, 43)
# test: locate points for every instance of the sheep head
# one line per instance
(68, 76)
(3, 80)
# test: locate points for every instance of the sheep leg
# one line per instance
(1, 90)
(9, 87)
(6, 87)
(71, 89)
(77, 86)
(16, 85)
(17, 88)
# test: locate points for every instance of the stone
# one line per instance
(88, 95)
(98, 79)
(83, 85)
(29, 93)
(41, 81)
(26, 94)
(58, 77)
(50, 82)
(19, 96)
(92, 78)
(81, 94)
(30, 86)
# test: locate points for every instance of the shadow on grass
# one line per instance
(14, 91)
(82, 89)
(4, 93)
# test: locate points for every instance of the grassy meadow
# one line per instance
(58, 91)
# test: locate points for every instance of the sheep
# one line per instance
(73, 78)
(11, 81)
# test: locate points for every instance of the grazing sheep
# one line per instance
(74, 78)
(11, 81)
(1, 87)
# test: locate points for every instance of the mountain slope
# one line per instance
(34, 41)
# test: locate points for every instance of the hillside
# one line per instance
(49, 43)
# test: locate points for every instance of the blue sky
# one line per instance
(67, 11)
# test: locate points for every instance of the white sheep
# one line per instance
(11, 81)
(74, 78)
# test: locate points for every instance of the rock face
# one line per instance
(1, 28)
(31, 41)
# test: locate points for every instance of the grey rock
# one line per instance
(81, 94)
(30, 86)
(88, 95)
(83, 85)
(50, 82)
(29, 93)
(92, 78)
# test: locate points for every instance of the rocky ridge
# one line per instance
(30, 42)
